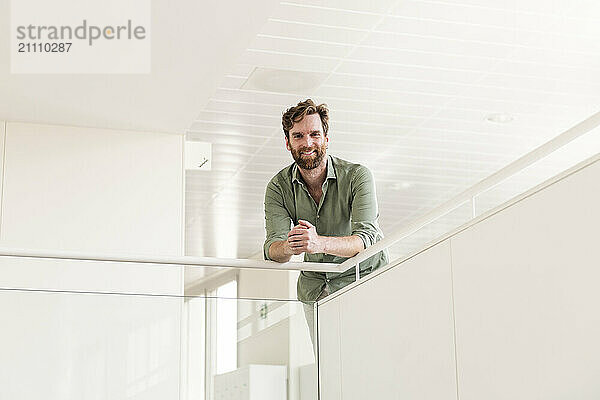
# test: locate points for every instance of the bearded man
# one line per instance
(329, 203)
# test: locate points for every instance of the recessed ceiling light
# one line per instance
(499, 118)
(284, 81)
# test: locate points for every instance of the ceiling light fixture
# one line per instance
(283, 81)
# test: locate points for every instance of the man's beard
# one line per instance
(312, 161)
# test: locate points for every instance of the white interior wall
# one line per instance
(392, 338)
(90, 190)
(69, 188)
(523, 288)
(526, 296)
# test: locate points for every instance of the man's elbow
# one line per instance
(366, 239)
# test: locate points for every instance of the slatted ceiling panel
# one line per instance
(430, 59)
(366, 117)
(440, 28)
(299, 62)
(240, 194)
(431, 44)
(427, 99)
(553, 72)
(253, 96)
(296, 30)
(541, 83)
(245, 153)
(242, 222)
(364, 108)
(200, 177)
(427, 179)
(455, 13)
(506, 106)
(246, 178)
(298, 12)
(434, 128)
(393, 84)
(423, 174)
(554, 56)
(445, 154)
(373, 6)
(408, 71)
(296, 46)
(470, 138)
(564, 101)
(427, 170)
(452, 114)
(269, 121)
(393, 160)
(227, 139)
(245, 107)
(233, 129)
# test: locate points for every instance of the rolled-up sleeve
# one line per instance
(364, 207)
(277, 218)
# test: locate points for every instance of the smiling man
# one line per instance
(329, 203)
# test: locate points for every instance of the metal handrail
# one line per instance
(170, 260)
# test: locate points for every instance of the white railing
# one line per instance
(170, 260)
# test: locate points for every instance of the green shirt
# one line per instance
(347, 207)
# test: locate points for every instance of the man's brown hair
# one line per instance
(304, 108)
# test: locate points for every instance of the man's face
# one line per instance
(307, 143)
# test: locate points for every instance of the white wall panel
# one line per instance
(526, 292)
(58, 346)
(395, 334)
(330, 368)
(95, 190)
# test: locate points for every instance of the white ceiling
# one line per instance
(187, 64)
(409, 84)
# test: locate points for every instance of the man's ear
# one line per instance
(287, 143)
(326, 141)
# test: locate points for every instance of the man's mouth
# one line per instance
(307, 153)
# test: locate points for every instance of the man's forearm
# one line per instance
(344, 246)
(280, 252)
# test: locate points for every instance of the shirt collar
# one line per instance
(296, 177)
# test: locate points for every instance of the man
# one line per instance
(331, 203)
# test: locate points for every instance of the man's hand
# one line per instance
(303, 238)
